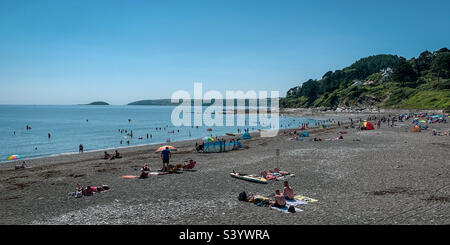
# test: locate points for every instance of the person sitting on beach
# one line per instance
(263, 174)
(107, 156)
(198, 147)
(78, 192)
(279, 200)
(145, 170)
(288, 192)
(117, 155)
(24, 165)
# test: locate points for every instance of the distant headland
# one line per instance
(98, 103)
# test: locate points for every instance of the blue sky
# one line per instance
(71, 52)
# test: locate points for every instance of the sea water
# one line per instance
(98, 127)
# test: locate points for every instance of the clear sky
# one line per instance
(71, 52)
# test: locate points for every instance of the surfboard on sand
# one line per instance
(230, 134)
(158, 173)
(129, 177)
(251, 178)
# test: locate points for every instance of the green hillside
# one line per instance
(386, 81)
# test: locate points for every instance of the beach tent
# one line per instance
(368, 126)
(305, 134)
(246, 136)
(415, 129)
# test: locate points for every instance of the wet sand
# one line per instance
(382, 176)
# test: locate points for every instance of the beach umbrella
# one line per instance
(14, 157)
(207, 138)
(164, 147)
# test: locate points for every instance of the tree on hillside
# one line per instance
(442, 50)
(310, 89)
(423, 62)
(441, 65)
(403, 72)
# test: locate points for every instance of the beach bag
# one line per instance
(291, 209)
(242, 196)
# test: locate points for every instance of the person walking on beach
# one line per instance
(80, 148)
(165, 156)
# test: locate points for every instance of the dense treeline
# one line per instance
(380, 80)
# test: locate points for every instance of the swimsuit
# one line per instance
(289, 199)
(279, 206)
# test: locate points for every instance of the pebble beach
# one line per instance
(383, 176)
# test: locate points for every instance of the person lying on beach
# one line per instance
(337, 138)
(189, 164)
(88, 191)
(175, 168)
(288, 192)
(279, 200)
(24, 165)
(145, 170)
(276, 173)
(91, 190)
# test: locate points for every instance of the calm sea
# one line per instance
(96, 127)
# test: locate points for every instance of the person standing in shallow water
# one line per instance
(49, 135)
(80, 148)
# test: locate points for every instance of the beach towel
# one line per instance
(129, 176)
(157, 173)
(289, 203)
(278, 177)
(285, 209)
(337, 138)
(305, 199)
(295, 202)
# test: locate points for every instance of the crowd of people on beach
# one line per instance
(280, 197)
